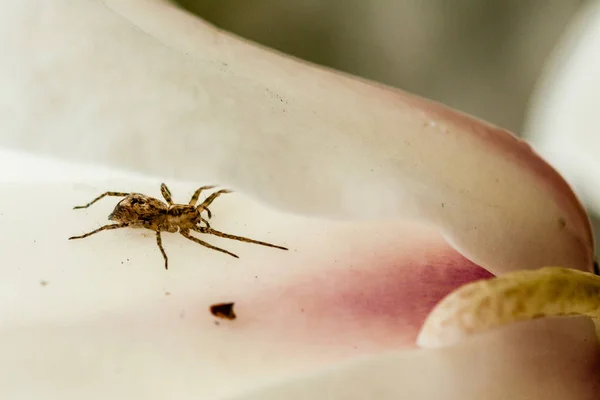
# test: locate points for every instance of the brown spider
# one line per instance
(140, 211)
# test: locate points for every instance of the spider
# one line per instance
(140, 211)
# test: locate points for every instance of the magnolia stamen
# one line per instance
(518, 296)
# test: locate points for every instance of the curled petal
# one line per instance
(320, 142)
(155, 89)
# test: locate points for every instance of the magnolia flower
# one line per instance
(397, 211)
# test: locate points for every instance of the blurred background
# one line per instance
(481, 57)
(485, 58)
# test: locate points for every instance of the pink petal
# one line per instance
(370, 298)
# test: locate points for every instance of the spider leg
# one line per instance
(103, 228)
(210, 199)
(115, 194)
(162, 249)
(211, 231)
(196, 194)
(166, 193)
(186, 233)
(205, 221)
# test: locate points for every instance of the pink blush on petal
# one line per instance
(400, 299)
(368, 305)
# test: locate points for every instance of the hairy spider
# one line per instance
(140, 211)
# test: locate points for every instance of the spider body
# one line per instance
(140, 211)
(136, 210)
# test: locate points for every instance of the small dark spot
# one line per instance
(121, 262)
(217, 323)
(223, 310)
(43, 283)
(128, 259)
(167, 293)
(255, 276)
(562, 223)
(302, 310)
(443, 205)
(225, 64)
(34, 241)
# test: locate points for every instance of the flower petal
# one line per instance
(539, 360)
(344, 291)
(108, 85)
(106, 306)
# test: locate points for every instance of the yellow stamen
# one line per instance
(513, 297)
